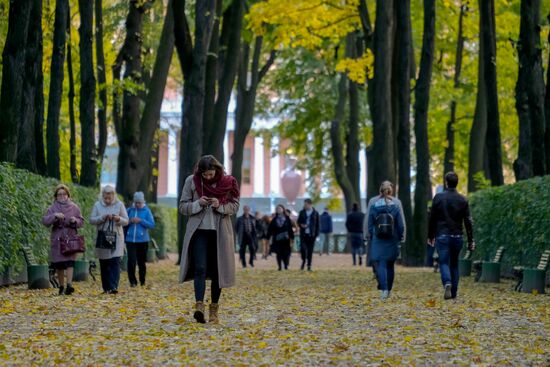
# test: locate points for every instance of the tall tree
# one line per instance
(30, 147)
(56, 86)
(531, 159)
(226, 59)
(13, 64)
(423, 191)
(70, 96)
(383, 150)
(448, 164)
(88, 176)
(151, 111)
(192, 56)
(547, 111)
(403, 58)
(346, 167)
(250, 74)
(129, 60)
(101, 81)
(485, 153)
(494, 149)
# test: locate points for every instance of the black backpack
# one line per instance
(384, 225)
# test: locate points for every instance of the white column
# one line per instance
(259, 166)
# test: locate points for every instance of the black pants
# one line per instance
(204, 252)
(137, 252)
(306, 249)
(110, 273)
(283, 254)
(247, 241)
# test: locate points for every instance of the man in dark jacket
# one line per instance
(308, 220)
(245, 227)
(450, 211)
(354, 225)
(325, 224)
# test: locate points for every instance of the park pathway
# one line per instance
(329, 317)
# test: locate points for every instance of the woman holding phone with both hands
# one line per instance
(209, 198)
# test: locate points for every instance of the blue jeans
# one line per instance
(110, 273)
(385, 273)
(448, 248)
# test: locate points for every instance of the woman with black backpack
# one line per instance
(386, 228)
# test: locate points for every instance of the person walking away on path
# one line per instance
(450, 211)
(65, 218)
(386, 229)
(354, 226)
(109, 212)
(137, 238)
(262, 224)
(245, 227)
(325, 228)
(281, 232)
(308, 220)
(209, 198)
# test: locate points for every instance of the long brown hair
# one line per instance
(207, 163)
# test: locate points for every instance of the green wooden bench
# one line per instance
(489, 271)
(531, 279)
(38, 275)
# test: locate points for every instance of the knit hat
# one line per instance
(139, 197)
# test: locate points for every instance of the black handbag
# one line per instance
(106, 238)
(283, 236)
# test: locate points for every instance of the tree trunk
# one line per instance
(547, 111)
(403, 76)
(101, 80)
(383, 158)
(353, 168)
(88, 175)
(128, 177)
(227, 65)
(531, 159)
(336, 143)
(72, 121)
(477, 151)
(151, 112)
(494, 149)
(13, 71)
(193, 63)
(246, 100)
(423, 191)
(30, 147)
(448, 163)
(56, 86)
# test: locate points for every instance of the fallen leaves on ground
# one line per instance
(320, 318)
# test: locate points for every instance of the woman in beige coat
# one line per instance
(209, 198)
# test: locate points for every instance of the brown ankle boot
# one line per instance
(199, 312)
(213, 313)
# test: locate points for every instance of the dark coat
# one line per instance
(385, 249)
(313, 223)
(325, 221)
(354, 221)
(273, 230)
(239, 229)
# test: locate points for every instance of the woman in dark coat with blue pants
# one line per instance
(386, 228)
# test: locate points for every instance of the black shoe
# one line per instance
(302, 267)
(69, 290)
(309, 268)
(61, 290)
(142, 283)
(113, 291)
(251, 264)
(133, 285)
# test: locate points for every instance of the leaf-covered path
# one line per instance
(327, 317)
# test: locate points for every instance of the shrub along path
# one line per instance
(327, 317)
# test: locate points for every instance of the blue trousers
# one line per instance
(448, 248)
(110, 273)
(385, 273)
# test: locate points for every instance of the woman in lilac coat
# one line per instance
(64, 217)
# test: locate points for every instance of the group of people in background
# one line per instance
(130, 225)
(210, 198)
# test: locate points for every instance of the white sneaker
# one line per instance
(384, 295)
